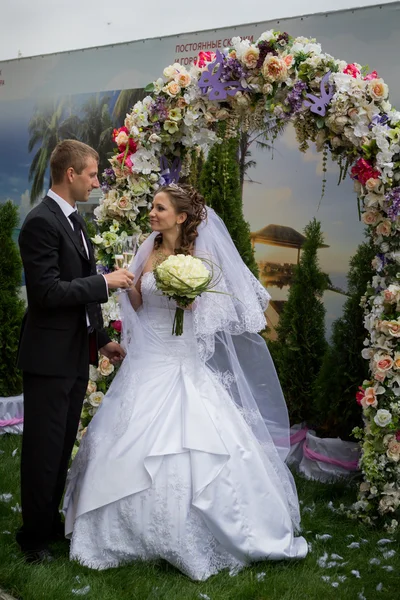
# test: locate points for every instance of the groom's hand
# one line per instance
(121, 278)
(114, 352)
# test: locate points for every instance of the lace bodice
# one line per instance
(153, 297)
(159, 313)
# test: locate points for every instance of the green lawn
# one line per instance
(301, 580)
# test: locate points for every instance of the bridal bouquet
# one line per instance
(182, 278)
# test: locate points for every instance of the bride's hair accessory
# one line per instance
(176, 187)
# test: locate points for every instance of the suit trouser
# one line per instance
(52, 408)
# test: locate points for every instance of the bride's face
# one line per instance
(163, 216)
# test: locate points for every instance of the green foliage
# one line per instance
(301, 345)
(220, 185)
(343, 368)
(11, 306)
(196, 166)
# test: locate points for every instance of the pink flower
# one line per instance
(204, 58)
(384, 228)
(369, 398)
(389, 298)
(370, 76)
(117, 325)
(127, 162)
(398, 435)
(360, 395)
(384, 363)
(363, 170)
(380, 376)
(352, 70)
(122, 138)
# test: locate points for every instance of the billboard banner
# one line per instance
(88, 92)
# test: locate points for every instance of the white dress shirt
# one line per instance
(68, 210)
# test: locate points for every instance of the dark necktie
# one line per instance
(77, 222)
(92, 308)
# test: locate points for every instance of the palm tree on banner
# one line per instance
(125, 101)
(263, 139)
(96, 128)
(49, 125)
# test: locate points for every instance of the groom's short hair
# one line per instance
(69, 153)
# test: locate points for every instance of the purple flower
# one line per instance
(108, 179)
(294, 98)
(393, 201)
(102, 269)
(265, 48)
(379, 120)
(232, 70)
(159, 108)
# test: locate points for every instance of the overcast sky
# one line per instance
(32, 27)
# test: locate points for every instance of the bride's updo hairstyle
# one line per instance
(185, 199)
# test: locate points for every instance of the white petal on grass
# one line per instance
(353, 545)
(384, 541)
(356, 574)
(350, 536)
(16, 508)
(389, 554)
(323, 536)
(336, 557)
(374, 561)
(326, 578)
(363, 541)
(379, 587)
(14, 452)
(5, 497)
(342, 578)
(335, 584)
(6, 532)
(260, 576)
(388, 568)
(81, 591)
(322, 560)
(204, 596)
(361, 596)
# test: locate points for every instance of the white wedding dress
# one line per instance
(170, 467)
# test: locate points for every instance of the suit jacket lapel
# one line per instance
(89, 246)
(53, 206)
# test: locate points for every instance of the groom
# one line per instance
(62, 331)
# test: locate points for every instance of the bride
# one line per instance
(184, 460)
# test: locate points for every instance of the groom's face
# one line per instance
(84, 183)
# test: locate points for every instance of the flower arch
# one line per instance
(345, 111)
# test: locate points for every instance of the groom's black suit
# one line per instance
(56, 345)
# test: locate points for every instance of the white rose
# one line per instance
(383, 417)
(169, 72)
(180, 268)
(266, 36)
(95, 399)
